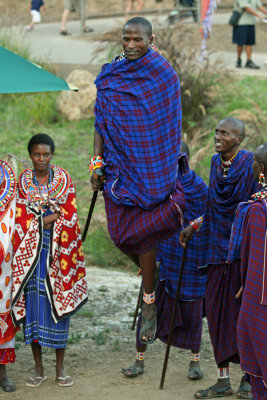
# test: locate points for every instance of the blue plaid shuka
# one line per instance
(138, 114)
(170, 252)
(223, 198)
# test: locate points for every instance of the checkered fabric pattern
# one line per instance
(136, 231)
(223, 198)
(252, 323)
(258, 389)
(170, 252)
(39, 325)
(222, 308)
(187, 331)
(138, 114)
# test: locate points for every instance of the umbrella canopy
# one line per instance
(18, 75)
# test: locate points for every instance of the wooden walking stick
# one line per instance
(137, 306)
(174, 309)
(98, 175)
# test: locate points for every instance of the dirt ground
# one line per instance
(102, 343)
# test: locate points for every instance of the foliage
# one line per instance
(13, 40)
(181, 46)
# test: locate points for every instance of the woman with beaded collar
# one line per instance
(49, 282)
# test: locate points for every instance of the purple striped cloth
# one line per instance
(223, 198)
(170, 252)
(136, 231)
(252, 323)
(138, 114)
(222, 309)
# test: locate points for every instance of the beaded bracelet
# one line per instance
(197, 223)
(96, 162)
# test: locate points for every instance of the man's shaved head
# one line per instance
(142, 22)
(237, 126)
(261, 155)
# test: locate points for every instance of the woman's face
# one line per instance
(41, 156)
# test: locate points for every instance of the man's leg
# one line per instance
(149, 311)
(194, 371)
(250, 63)
(64, 18)
(138, 367)
(239, 52)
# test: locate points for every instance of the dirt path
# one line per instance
(102, 343)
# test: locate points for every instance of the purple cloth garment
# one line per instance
(170, 252)
(252, 322)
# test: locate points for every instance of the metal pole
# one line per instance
(82, 9)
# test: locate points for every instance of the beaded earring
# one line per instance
(262, 179)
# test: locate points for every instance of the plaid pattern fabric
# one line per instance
(170, 252)
(39, 325)
(252, 323)
(187, 331)
(136, 231)
(223, 198)
(222, 308)
(138, 114)
(237, 232)
(258, 389)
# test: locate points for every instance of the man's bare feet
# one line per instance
(148, 323)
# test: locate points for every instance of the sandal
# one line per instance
(87, 29)
(35, 381)
(64, 381)
(65, 33)
(213, 392)
(133, 371)
(195, 373)
(148, 324)
(7, 385)
(244, 391)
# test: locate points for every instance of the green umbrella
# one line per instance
(18, 75)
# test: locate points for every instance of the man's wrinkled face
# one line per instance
(135, 41)
(226, 138)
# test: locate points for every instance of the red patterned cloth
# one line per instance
(66, 279)
(7, 224)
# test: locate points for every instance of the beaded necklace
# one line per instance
(262, 194)
(227, 164)
(39, 194)
(7, 184)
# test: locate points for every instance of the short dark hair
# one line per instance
(184, 149)
(237, 125)
(146, 25)
(41, 138)
(261, 154)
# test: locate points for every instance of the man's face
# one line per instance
(135, 41)
(226, 138)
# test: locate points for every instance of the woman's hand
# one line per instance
(49, 219)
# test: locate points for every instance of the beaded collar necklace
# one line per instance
(7, 184)
(40, 194)
(227, 164)
(262, 194)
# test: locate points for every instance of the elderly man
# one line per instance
(231, 181)
(137, 136)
